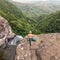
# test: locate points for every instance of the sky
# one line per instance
(27, 0)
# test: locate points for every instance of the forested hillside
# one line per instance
(21, 25)
(49, 23)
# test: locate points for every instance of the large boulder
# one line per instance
(8, 41)
(6, 52)
(5, 30)
(47, 47)
(17, 39)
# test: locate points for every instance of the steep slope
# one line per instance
(19, 23)
(50, 23)
(10, 8)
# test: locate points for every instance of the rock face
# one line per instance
(8, 41)
(6, 34)
(47, 47)
(5, 30)
(25, 51)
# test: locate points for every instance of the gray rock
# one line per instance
(17, 39)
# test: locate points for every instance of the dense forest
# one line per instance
(50, 23)
(21, 25)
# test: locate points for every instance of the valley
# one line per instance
(47, 22)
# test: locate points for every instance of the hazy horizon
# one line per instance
(28, 0)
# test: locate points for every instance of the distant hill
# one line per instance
(37, 8)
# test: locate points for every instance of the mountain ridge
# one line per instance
(38, 8)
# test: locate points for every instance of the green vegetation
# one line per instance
(50, 23)
(21, 25)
